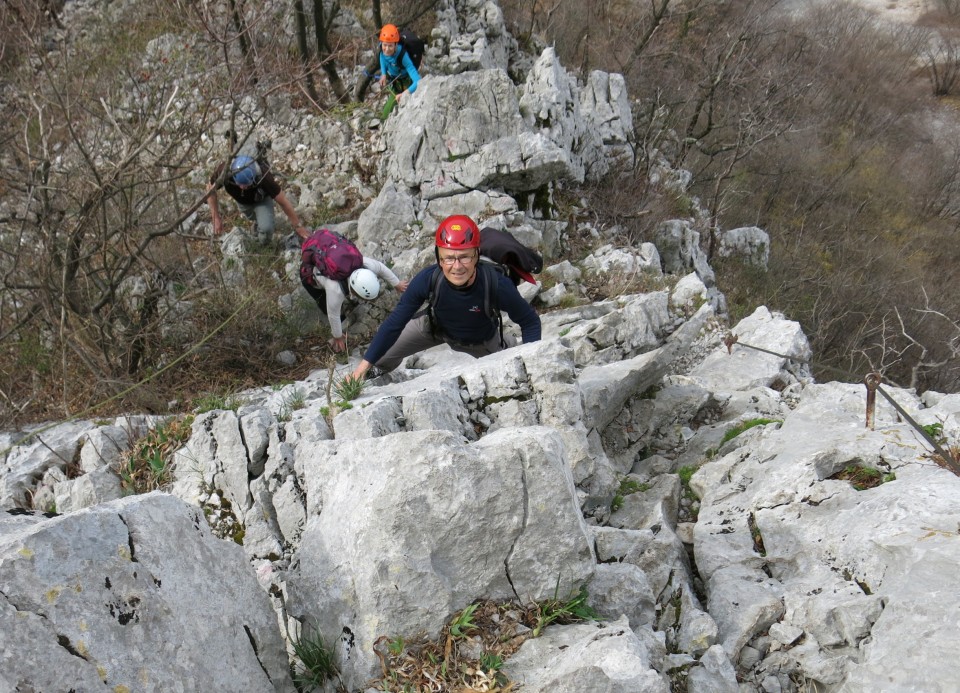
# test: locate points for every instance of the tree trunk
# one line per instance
(236, 12)
(304, 48)
(321, 27)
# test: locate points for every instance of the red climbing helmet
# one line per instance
(457, 232)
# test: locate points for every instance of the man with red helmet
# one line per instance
(458, 297)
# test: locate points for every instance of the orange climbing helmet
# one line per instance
(458, 231)
(389, 34)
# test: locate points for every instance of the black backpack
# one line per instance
(413, 45)
(491, 299)
(520, 262)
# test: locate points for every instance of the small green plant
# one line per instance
(565, 331)
(555, 610)
(627, 486)
(744, 426)
(348, 388)
(294, 401)
(685, 474)
(861, 478)
(210, 402)
(316, 663)
(490, 661)
(463, 622)
(935, 431)
(147, 465)
(395, 646)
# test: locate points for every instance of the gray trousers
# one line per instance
(263, 214)
(416, 337)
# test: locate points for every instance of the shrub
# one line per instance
(148, 464)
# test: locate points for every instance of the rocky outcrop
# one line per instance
(700, 494)
(133, 594)
(530, 473)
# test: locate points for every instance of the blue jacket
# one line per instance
(458, 311)
(393, 69)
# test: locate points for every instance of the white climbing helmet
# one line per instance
(364, 284)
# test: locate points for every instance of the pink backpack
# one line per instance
(335, 256)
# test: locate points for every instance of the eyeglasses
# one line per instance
(464, 260)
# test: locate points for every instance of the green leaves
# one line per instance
(463, 622)
(148, 464)
(573, 609)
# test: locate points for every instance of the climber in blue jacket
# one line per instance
(397, 72)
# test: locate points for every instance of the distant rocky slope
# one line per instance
(605, 456)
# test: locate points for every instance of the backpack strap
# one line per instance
(491, 296)
(435, 280)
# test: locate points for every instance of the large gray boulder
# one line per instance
(607, 658)
(409, 535)
(133, 595)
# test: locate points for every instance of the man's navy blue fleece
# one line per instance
(459, 312)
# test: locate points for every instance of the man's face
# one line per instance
(388, 48)
(459, 266)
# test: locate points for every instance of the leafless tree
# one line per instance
(942, 60)
(96, 157)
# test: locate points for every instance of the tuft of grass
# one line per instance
(685, 474)
(294, 401)
(601, 286)
(627, 486)
(863, 478)
(490, 662)
(568, 610)
(315, 664)
(147, 466)
(213, 401)
(396, 646)
(745, 426)
(347, 388)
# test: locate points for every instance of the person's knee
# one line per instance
(265, 226)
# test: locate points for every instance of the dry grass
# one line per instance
(471, 649)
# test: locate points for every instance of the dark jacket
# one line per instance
(458, 312)
(266, 186)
